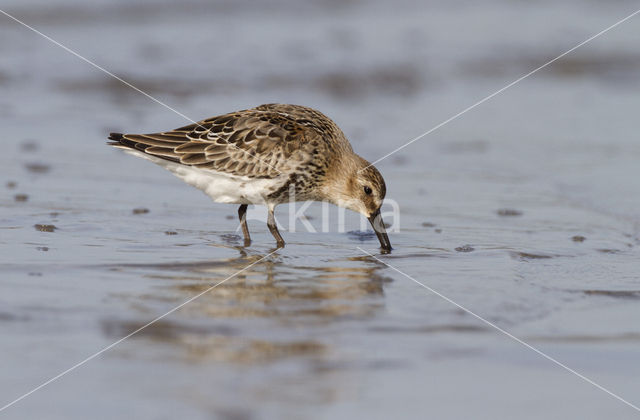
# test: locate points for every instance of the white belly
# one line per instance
(221, 187)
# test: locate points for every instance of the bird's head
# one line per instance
(359, 186)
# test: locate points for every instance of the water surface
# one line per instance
(524, 211)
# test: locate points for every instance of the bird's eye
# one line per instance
(367, 190)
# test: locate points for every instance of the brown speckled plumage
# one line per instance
(300, 149)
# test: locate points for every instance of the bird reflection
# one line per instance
(252, 316)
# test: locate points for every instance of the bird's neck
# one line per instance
(339, 179)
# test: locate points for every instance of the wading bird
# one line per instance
(268, 155)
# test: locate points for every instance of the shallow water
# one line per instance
(524, 211)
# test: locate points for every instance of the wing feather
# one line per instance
(192, 147)
(258, 143)
(162, 152)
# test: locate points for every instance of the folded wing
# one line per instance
(252, 143)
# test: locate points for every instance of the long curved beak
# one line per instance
(378, 227)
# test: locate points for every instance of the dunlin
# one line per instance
(267, 155)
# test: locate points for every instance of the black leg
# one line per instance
(271, 223)
(242, 214)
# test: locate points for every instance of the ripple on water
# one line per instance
(29, 146)
(214, 342)
(228, 322)
(527, 256)
(361, 235)
(508, 212)
(37, 168)
(624, 294)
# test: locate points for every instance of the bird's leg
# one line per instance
(242, 214)
(271, 223)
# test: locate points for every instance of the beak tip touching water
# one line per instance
(378, 227)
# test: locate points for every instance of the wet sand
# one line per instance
(524, 210)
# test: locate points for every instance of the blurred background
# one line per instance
(523, 210)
